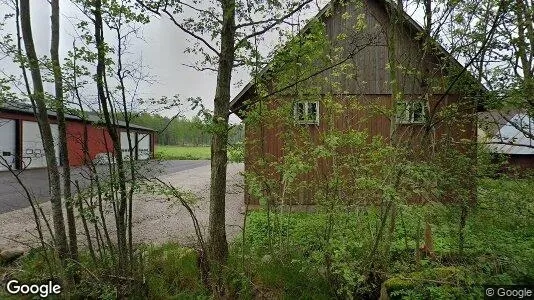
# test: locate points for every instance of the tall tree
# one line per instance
(232, 26)
(500, 53)
(107, 110)
(62, 128)
(37, 98)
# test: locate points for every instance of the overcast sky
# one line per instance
(161, 52)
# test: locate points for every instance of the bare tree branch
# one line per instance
(275, 22)
(179, 25)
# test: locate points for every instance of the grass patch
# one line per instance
(169, 152)
(169, 271)
(287, 255)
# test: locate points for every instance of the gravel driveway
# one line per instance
(12, 196)
(156, 219)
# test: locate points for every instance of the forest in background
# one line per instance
(184, 131)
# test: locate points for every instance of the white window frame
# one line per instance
(407, 116)
(306, 120)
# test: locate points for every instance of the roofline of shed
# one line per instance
(321, 14)
(73, 118)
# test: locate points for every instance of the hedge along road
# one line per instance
(13, 197)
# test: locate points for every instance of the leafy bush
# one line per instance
(236, 152)
(331, 248)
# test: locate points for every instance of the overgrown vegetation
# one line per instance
(183, 131)
(397, 206)
(284, 255)
(499, 247)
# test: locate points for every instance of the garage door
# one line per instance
(125, 148)
(33, 154)
(143, 145)
(7, 143)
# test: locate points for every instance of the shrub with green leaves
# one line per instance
(332, 248)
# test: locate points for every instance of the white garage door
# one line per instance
(143, 144)
(125, 148)
(33, 154)
(7, 143)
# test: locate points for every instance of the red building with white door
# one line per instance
(21, 146)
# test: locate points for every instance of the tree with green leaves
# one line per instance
(225, 32)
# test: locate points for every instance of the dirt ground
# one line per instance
(156, 219)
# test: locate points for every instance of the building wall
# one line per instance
(29, 151)
(25, 147)
(421, 73)
(521, 162)
(264, 140)
(372, 48)
(99, 143)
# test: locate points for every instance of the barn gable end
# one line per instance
(369, 40)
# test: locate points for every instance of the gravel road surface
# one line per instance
(156, 218)
(12, 196)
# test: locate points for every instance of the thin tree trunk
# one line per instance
(62, 128)
(84, 222)
(93, 173)
(112, 130)
(131, 146)
(525, 34)
(38, 100)
(428, 18)
(393, 70)
(219, 141)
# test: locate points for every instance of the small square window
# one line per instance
(306, 112)
(412, 112)
(418, 112)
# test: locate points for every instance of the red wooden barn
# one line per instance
(21, 146)
(371, 35)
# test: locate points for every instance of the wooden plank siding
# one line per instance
(366, 99)
(372, 77)
(265, 144)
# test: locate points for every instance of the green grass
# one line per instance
(170, 152)
(289, 256)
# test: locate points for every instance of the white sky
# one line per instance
(162, 52)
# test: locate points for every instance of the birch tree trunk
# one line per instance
(38, 101)
(60, 110)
